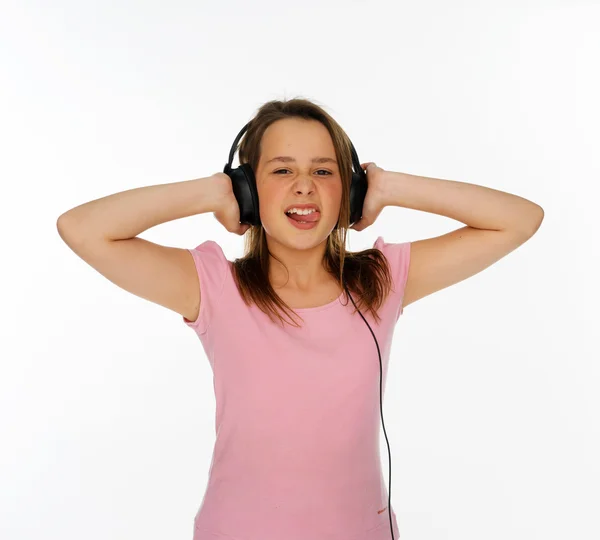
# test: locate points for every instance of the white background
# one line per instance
(491, 409)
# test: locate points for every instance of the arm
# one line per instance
(496, 224)
(103, 233)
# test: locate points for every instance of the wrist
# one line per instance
(392, 185)
(209, 194)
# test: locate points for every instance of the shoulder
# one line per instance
(210, 271)
(397, 253)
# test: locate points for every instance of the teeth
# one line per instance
(301, 212)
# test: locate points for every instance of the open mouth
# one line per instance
(312, 217)
(307, 221)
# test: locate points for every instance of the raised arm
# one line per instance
(496, 223)
(103, 233)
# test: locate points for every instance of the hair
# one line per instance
(366, 273)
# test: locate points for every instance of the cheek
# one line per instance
(334, 195)
(269, 191)
(271, 201)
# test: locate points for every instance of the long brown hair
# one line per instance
(365, 272)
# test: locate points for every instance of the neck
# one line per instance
(300, 269)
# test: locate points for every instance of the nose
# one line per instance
(304, 184)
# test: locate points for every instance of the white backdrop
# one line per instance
(491, 409)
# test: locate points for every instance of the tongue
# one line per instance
(313, 216)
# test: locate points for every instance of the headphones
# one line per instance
(243, 183)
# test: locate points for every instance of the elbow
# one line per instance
(62, 224)
(539, 217)
(534, 221)
(67, 228)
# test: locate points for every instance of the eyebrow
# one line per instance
(287, 159)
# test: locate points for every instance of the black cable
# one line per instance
(381, 409)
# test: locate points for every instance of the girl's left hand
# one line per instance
(373, 204)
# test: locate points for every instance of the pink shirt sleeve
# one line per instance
(211, 267)
(398, 256)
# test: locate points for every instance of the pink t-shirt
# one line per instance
(297, 454)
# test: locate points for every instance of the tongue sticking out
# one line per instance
(313, 216)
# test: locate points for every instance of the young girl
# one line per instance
(298, 331)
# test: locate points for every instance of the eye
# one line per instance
(319, 170)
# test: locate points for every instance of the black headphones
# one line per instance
(243, 183)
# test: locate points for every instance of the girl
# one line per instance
(293, 330)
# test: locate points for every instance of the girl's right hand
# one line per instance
(228, 213)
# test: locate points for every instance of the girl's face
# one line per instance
(289, 174)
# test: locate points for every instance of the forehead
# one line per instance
(297, 138)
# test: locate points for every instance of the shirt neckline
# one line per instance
(319, 308)
(307, 309)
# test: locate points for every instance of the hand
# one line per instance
(373, 204)
(228, 211)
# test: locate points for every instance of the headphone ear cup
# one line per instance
(358, 192)
(243, 183)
